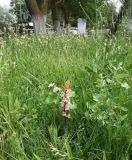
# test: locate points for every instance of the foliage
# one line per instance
(129, 9)
(99, 69)
(6, 18)
(18, 7)
(93, 11)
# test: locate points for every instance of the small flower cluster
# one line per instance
(63, 96)
(65, 99)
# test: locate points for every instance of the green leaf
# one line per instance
(96, 97)
(72, 106)
(123, 117)
(125, 85)
(56, 89)
(56, 101)
(37, 157)
(72, 93)
(86, 114)
(49, 100)
(91, 69)
(123, 109)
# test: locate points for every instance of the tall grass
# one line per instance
(100, 73)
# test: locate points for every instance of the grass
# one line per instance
(99, 69)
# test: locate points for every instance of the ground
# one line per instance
(99, 70)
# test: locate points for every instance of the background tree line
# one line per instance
(93, 11)
(96, 12)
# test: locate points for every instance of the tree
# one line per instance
(18, 7)
(58, 7)
(93, 10)
(34, 10)
(85, 9)
(105, 15)
(123, 11)
(38, 11)
(6, 18)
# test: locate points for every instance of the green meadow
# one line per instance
(99, 126)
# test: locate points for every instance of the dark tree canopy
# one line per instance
(18, 7)
(88, 9)
(94, 11)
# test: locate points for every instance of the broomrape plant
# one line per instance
(63, 96)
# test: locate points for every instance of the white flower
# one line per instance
(51, 85)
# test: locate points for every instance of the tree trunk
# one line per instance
(58, 7)
(38, 11)
(56, 26)
(66, 18)
(39, 23)
(56, 13)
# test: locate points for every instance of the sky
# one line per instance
(7, 3)
(116, 3)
